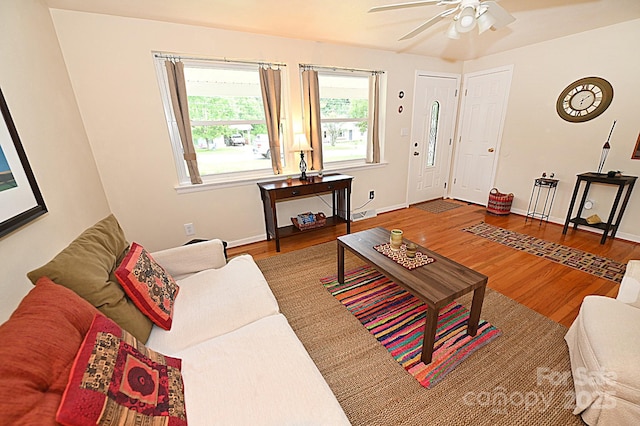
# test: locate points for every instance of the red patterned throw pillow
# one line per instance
(116, 380)
(149, 286)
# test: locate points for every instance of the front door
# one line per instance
(434, 113)
(484, 106)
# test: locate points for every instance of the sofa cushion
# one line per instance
(117, 380)
(148, 285)
(214, 302)
(38, 344)
(260, 374)
(87, 267)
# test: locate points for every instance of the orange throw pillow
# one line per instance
(38, 344)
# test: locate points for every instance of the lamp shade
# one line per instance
(466, 20)
(300, 143)
(485, 21)
(452, 33)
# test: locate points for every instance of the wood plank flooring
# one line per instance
(555, 291)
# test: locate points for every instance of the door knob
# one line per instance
(490, 150)
(416, 153)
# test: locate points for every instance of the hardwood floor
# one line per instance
(549, 288)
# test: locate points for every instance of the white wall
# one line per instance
(36, 87)
(536, 139)
(113, 76)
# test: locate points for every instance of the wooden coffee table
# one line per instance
(436, 284)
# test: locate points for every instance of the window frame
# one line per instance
(184, 180)
(432, 146)
(347, 72)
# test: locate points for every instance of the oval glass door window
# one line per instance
(433, 133)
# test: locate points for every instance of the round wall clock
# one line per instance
(584, 99)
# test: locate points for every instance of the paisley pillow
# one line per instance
(148, 285)
(117, 380)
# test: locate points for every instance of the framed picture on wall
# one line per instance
(20, 199)
(636, 151)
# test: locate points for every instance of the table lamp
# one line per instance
(301, 144)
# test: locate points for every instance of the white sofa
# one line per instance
(242, 362)
(604, 347)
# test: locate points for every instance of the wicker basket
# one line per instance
(321, 220)
(499, 203)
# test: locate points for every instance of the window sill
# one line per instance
(246, 180)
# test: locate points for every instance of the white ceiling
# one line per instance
(347, 21)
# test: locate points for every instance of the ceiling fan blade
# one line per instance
(429, 23)
(412, 4)
(502, 17)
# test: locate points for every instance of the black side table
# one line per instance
(621, 182)
(550, 185)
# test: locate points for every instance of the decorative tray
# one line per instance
(400, 256)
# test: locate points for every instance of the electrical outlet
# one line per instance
(189, 229)
(372, 195)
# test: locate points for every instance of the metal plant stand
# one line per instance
(532, 210)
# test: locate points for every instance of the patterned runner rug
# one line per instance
(574, 258)
(396, 319)
(437, 206)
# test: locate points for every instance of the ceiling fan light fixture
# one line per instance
(466, 19)
(452, 33)
(485, 21)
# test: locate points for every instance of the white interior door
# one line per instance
(484, 105)
(434, 113)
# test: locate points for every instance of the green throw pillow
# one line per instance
(87, 267)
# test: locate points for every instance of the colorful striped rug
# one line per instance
(581, 260)
(397, 319)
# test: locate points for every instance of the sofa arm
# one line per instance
(186, 260)
(629, 291)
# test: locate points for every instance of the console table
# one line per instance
(272, 192)
(621, 182)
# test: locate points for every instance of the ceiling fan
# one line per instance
(467, 14)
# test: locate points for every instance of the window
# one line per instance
(344, 114)
(433, 133)
(227, 116)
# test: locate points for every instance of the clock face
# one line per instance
(584, 99)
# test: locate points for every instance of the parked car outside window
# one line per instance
(237, 139)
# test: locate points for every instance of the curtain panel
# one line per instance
(270, 82)
(373, 147)
(178, 93)
(311, 119)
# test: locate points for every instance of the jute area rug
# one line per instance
(522, 378)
